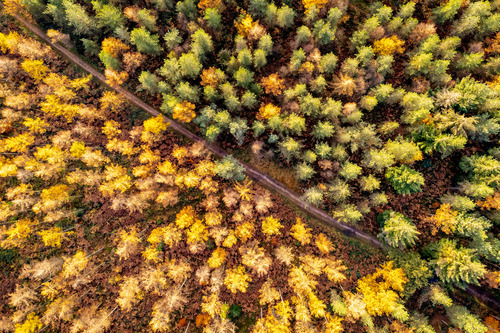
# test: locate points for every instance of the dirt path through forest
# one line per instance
(263, 179)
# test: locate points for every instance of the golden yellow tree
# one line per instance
(237, 279)
(184, 112)
(301, 232)
(273, 84)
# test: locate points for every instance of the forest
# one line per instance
(260, 166)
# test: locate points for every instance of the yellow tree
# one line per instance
(271, 226)
(184, 112)
(379, 289)
(237, 279)
(273, 84)
(301, 232)
(35, 68)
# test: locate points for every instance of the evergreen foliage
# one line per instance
(404, 179)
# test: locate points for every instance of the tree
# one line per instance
(78, 18)
(300, 232)
(344, 85)
(397, 230)
(229, 168)
(285, 17)
(213, 18)
(189, 65)
(144, 41)
(108, 15)
(184, 112)
(461, 317)
(201, 43)
(379, 289)
(237, 279)
(147, 19)
(404, 179)
(271, 226)
(456, 265)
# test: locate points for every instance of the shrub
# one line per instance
(397, 230)
(405, 180)
(229, 168)
(144, 41)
